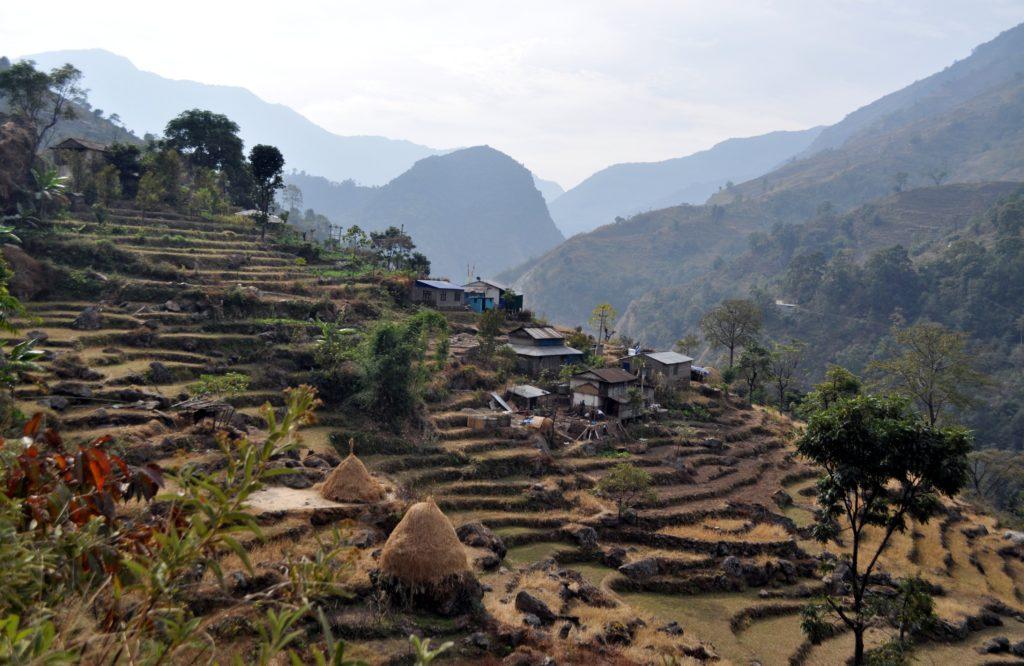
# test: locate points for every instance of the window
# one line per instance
(444, 295)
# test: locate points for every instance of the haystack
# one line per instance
(423, 549)
(351, 482)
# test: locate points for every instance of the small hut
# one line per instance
(350, 481)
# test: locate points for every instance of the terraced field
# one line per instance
(718, 550)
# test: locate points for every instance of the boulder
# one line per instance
(88, 320)
(641, 569)
(672, 629)
(614, 557)
(29, 278)
(159, 373)
(1018, 649)
(55, 402)
(73, 389)
(531, 605)
(531, 620)
(712, 443)
(1015, 537)
(617, 633)
(478, 535)
(584, 536)
(732, 566)
(488, 562)
(38, 336)
(172, 306)
(974, 531)
(782, 499)
(995, 645)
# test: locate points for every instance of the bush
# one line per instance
(231, 383)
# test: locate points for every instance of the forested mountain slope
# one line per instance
(474, 210)
(627, 189)
(622, 261)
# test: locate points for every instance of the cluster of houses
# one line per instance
(479, 295)
(619, 392)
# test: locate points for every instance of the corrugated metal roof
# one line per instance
(439, 284)
(610, 375)
(491, 283)
(530, 350)
(527, 391)
(669, 357)
(540, 332)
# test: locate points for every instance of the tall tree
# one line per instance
(39, 99)
(208, 139)
(601, 319)
(734, 323)
(933, 368)
(783, 365)
(882, 465)
(753, 367)
(265, 164)
(688, 344)
(392, 245)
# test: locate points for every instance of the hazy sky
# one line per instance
(566, 87)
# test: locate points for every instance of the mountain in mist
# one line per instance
(548, 189)
(474, 210)
(146, 101)
(622, 190)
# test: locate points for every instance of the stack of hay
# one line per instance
(424, 561)
(351, 482)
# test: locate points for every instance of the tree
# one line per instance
(601, 319)
(265, 165)
(40, 100)
(753, 367)
(783, 364)
(899, 180)
(882, 465)
(839, 383)
(938, 175)
(150, 192)
(393, 246)
(125, 157)
(626, 484)
(489, 328)
(933, 368)
(291, 197)
(734, 323)
(354, 237)
(688, 344)
(208, 139)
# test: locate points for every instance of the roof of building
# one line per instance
(529, 392)
(559, 350)
(540, 332)
(488, 282)
(73, 143)
(668, 357)
(609, 375)
(439, 284)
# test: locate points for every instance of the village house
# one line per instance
(528, 397)
(540, 348)
(668, 367)
(608, 390)
(75, 157)
(490, 294)
(439, 294)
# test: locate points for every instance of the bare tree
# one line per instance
(734, 323)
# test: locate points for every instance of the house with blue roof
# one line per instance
(439, 294)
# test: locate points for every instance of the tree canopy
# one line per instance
(734, 323)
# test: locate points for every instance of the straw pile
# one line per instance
(423, 548)
(351, 482)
